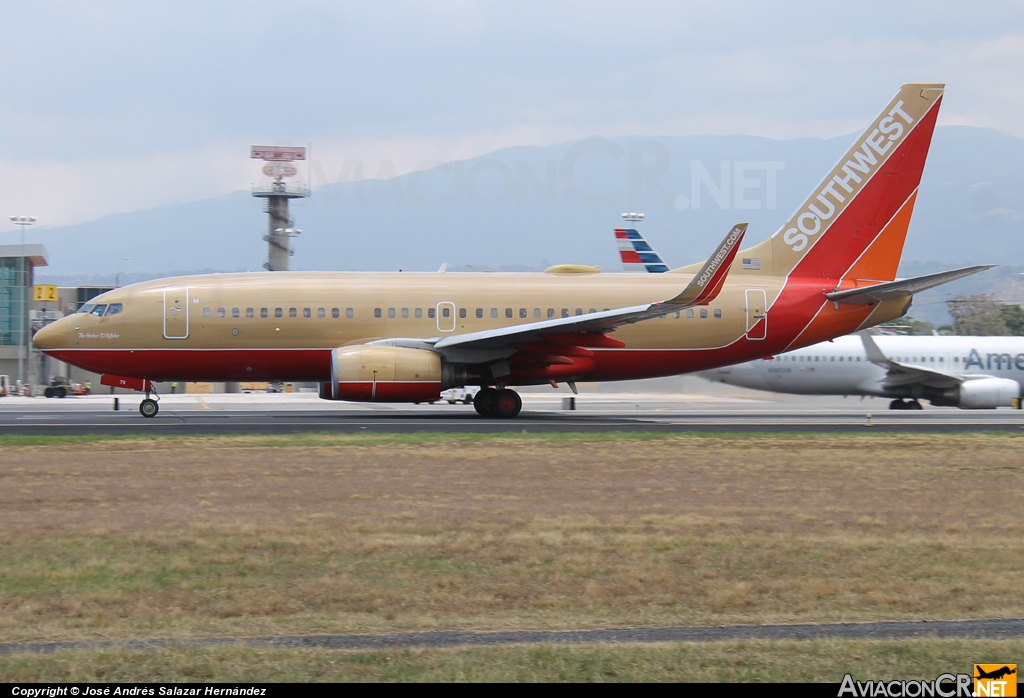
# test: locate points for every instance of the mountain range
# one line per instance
(528, 207)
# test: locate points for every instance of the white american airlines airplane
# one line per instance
(966, 372)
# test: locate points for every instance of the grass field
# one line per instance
(218, 536)
(819, 660)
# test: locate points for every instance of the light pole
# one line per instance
(117, 274)
(23, 222)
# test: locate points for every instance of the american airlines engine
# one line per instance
(972, 373)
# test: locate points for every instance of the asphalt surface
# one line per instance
(976, 629)
(542, 412)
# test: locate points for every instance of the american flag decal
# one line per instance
(753, 263)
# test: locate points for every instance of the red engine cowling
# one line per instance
(370, 373)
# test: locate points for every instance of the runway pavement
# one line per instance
(542, 412)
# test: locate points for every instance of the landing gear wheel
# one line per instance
(507, 404)
(483, 401)
(149, 408)
(897, 405)
(914, 405)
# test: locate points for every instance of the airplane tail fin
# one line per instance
(853, 224)
(637, 255)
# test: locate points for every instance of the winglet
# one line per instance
(708, 281)
(874, 354)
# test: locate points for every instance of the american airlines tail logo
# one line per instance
(845, 184)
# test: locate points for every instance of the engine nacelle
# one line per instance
(371, 373)
(987, 393)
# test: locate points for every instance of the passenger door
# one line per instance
(445, 316)
(176, 312)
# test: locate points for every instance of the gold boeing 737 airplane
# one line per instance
(405, 337)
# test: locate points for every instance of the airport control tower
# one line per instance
(280, 226)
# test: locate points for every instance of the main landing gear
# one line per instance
(904, 405)
(503, 403)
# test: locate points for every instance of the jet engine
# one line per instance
(371, 373)
(983, 394)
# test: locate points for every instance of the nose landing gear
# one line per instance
(149, 407)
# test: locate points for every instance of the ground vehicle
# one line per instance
(5, 383)
(463, 395)
(58, 387)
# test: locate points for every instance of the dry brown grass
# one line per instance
(320, 535)
(758, 660)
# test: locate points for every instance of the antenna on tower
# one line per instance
(280, 226)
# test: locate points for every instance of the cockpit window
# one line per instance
(114, 309)
(98, 310)
(86, 308)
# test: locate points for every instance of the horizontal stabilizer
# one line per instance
(869, 295)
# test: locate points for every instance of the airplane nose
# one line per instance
(52, 336)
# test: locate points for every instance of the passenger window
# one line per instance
(662, 317)
(689, 313)
(431, 313)
(264, 312)
(522, 312)
(98, 310)
(278, 312)
(306, 312)
(376, 312)
(579, 311)
(419, 312)
(320, 312)
(405, 312)
(479, 312)
(249, 312)
(593, 310)
(446, 312)
(206, 312)
(349, 312)
(565, 312)
(235, 312)
(703, 312)
(551, 313)
(536, 313)
(508, 313)
(221, 312)
(114, 309)
(391, 312)
(494, 312)
(676, 315)
(718, 313)
(292, 312)
(335, 313)
(462, 312)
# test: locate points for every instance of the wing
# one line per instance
(869, 295)
(702, 289)
(585, 330)
(900, 374)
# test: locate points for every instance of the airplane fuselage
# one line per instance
(841, 367)
(283, 326)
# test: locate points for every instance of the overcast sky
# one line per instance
(119, 106)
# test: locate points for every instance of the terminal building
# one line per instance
(21, 315)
